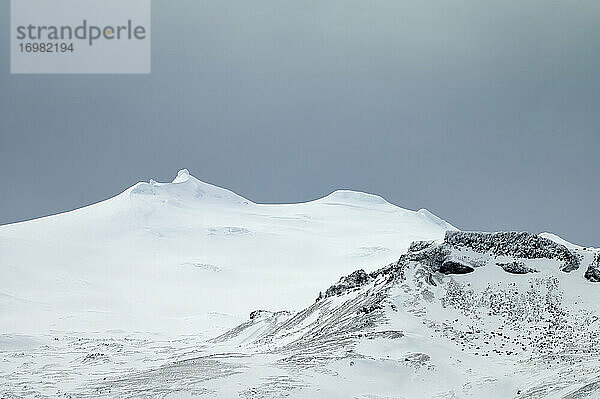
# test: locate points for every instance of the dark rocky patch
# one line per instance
(437, 258)
(417, 246)
(455, 267)
(516, 268)
(260, 312)
(593, 271)
(92, 357)
(255, 313)
(370, 308)
(417, 360)
(389, 334)
(351, 281)
(516, 244)
(432, 256)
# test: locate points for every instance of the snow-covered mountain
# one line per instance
(494, 315)
(189, 257)
(118, 300)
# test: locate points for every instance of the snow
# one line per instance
(559, 240)
(487, 334)
(353, 198)
(159, 257)
(118, 299)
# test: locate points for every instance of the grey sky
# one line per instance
(486, 113)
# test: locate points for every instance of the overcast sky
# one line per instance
(485, 113)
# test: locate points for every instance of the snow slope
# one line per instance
(188, 257)
(116, 300)
(448, 320)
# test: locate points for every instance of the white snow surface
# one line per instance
(117, 300)
(188, 257)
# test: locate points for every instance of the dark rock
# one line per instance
(455, 267)
(370, 308)
(351, 281)
(359, 278)
(417, 246)
(593, 271)
(431, 256)
(417, 360)
(256, 313)
(516, 244)
(437, 258)
(516, 268)
(388, 334)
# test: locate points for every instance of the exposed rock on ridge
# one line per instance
(516, 268)
(346, 283)
(593, 271)
(515, 244)
(441, 257)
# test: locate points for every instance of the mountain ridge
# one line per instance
(161, 279)
(99, 264)
(186, 185)
(510, 324)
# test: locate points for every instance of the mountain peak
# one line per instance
(186, 187)
(182, 176)
(354, 197)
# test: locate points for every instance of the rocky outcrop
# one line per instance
(428, 254)
(387, 334)
(449, 258)
(437, 257)
(417, 246)
(455, 267)
(516, 268)
(516, 244)
(442, 257)
(359, 278)
(349, 282)
(593, 271)
(255, 314)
